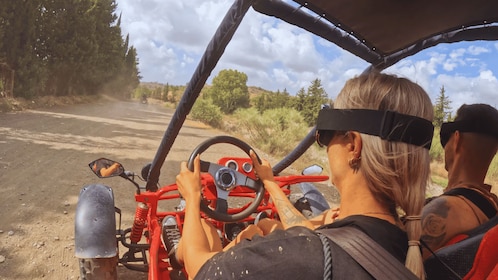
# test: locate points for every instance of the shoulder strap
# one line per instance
(475, 197)
(368, 253)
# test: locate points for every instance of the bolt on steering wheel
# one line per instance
(225, 180)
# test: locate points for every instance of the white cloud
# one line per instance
(457, 53)
(487, 76)
(477, 50)
(171, 36)
(467, 90)
(449, 66)
(460, 57)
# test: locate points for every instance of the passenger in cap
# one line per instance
(470, 142)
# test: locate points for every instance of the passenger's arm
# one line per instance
(444, 218)
(434, 221)
(289, 215)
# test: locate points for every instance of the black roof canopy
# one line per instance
(383, 32)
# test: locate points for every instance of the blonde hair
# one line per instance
(397, 173)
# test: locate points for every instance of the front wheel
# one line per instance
(99, 269)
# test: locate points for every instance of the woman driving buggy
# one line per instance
(377, 139)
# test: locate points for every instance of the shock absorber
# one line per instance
(139, 222)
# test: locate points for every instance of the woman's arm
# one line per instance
(289, 215)
(196, 249)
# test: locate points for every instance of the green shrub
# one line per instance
(492, 175)
(440, 181)
(205, 111)
(4, 105)
(437, 151)
(276, 131)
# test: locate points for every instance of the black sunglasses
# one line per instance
(472, 126)
(447, 129)
(323, 137)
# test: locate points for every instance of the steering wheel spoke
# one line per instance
(211, 167)
(252, 184)
(206, 166)
(222, 201)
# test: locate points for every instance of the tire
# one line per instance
(99, 269)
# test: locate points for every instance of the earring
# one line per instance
(354, 163)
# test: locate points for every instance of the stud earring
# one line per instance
(354, 163)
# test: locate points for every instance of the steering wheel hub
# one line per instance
(225, 179)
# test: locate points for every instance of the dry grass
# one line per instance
(439, 175)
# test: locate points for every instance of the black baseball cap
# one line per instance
(473, 118)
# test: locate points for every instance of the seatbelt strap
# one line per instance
(368, 253)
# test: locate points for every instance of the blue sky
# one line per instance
(171, 36)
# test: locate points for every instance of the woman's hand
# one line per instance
(198, 250)
(188, 182)
(289, 215)
(262, 170)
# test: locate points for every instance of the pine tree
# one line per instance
(442, 109)
(61, 47)
(300, 100)
(315, 97)
(20, 30)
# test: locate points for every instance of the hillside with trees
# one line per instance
(277, 121)
(64, 47)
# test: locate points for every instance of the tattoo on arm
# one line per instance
(434, 223)
(287, 213)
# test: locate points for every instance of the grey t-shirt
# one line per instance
(297, 253)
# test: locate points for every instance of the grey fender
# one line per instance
(95, 223)
(315, 198)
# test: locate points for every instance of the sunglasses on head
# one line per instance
(388, 125)
(447, 129)
(323, 137)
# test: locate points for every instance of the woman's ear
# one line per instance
(354, 142)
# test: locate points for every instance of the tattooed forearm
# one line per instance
(434, 222)
(288, 214)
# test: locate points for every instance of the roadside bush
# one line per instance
(205, 111)
(5, 105)
(276, 131)
(492, 175)
(437, 151)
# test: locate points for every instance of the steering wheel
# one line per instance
(225, 180)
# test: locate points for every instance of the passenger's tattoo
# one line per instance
(434, 219)
(287, 214)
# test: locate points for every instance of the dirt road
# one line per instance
(43, 165)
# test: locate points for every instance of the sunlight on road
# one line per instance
(90, 144)
(133, 146)
(129, 124)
